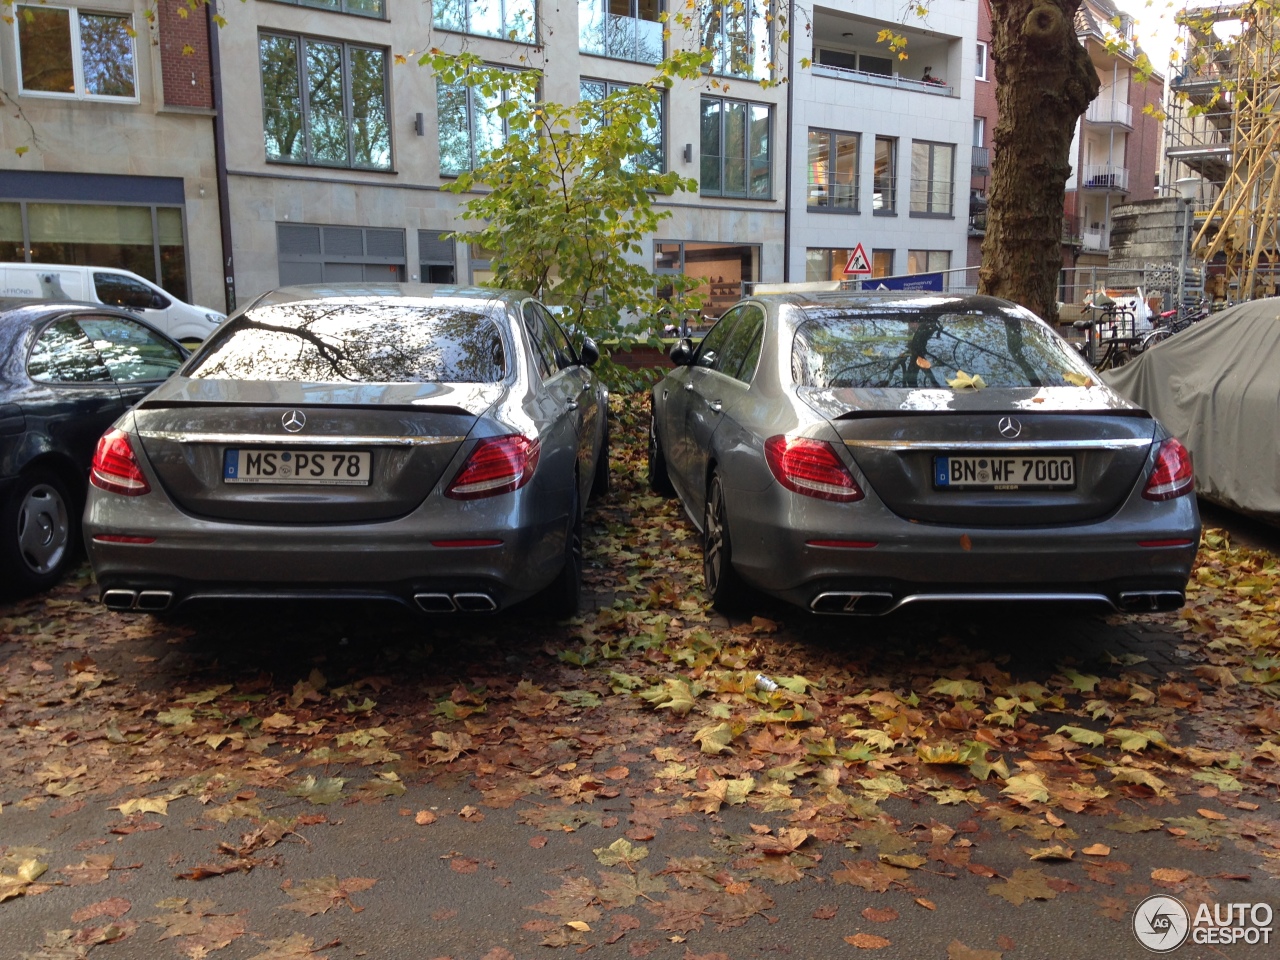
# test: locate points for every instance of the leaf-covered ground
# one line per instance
(355, 781)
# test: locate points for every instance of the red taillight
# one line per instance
(1172, 476)
(496, 465)
(810, 467)
(115, 468)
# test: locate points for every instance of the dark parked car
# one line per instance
(426, 444)
(67, 372)
(852, 453)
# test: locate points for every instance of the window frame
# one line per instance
(981, 70)
(832, 153)
(589, 10)
(76, 53)
(471, 125)
(889, 208)
(929, 211)
(468, 26)
(928, 256)
(749, 106)
(754, 13)
(341, 8)
(613, 86)
(300, 41)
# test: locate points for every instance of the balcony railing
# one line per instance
(1110, 111)
(879, 80)
(623, 38)
(1104, 176)
(1094, 239)
(981, 160)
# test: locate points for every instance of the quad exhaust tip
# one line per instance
(868, 603)
(455, 602)
(1150, 601)
(144, 601)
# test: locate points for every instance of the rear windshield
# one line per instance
(354, 341)
(927, 349)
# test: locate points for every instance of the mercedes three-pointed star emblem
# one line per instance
(294, 420)
(1009, 428)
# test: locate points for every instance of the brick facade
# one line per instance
(186, 76)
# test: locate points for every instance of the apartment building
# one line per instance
(107, 141)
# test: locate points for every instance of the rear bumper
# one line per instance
(424, 553)
(1105, 561)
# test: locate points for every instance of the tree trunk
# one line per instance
(1045, 81)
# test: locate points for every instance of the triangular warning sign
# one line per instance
(858, 262)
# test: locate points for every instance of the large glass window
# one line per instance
(351, 340)
(362, 8)
(738, 34)
(884, 198)
(469, 125)
(833, 171)
(928, 261)
(324, 102)
(623, 29)
(932, 175)
(736, 144)
(826, 263)
(652, 157)
(506, 19)
(65, 51)
(926, 347)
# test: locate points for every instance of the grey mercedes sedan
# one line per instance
(426, 444)
(852, 453)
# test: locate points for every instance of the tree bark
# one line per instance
(1044, 82)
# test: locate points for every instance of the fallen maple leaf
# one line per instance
(314, 897)
(958, 951)
(115, 908)
(868, 941)
(1170, 875)
(880, 914)
(1097, 850)
(620, 851)
(1024, 885)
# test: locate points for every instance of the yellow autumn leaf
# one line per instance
(1078, 379)
(143, 805)
(580, 925)
(922, 363)
(967, 381)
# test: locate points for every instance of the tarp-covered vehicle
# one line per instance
(1217, 388)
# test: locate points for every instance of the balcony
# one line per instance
(1094, 239)
(622, 38)
(1111, 113)
(981, 162)
(879, 80)
(1104, 176)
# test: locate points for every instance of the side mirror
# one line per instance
(589, 353)
(682, 353)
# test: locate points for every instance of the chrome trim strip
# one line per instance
(1001, 446)
(970, 598)
(297, 440)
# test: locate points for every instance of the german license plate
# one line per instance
(1001, 472)
(346, 467)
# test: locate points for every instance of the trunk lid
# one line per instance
(1003, 454)
(411, 432)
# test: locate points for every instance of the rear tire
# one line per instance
(725, 589)
(38, 533)
(659, 478)
(562, 599)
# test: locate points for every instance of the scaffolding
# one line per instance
(1223, 136)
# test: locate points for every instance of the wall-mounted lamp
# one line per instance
(419, 127)
(202, 189)
(688, 153)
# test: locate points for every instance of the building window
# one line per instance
(623, 29)
(932, 175)
(737, 32)
(469, 125)
(979, 130)
(315, 253)
(980, 67)
(882, 263)
(826, 263)
(361, 8)
(324, 102)
(862, 62)
(884, 198)
(736, 149)
(928, 261)
(514, 20)
(437, 258)
(833, 171)
(652, 157)
(68, 52)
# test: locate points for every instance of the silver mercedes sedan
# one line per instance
(852, 453)
(426, 444)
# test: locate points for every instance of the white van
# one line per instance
(113, 286)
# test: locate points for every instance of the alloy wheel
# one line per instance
(44, 529)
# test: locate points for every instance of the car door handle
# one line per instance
(573, 404)
(715, 405)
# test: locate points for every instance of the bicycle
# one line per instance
(1114, 330)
